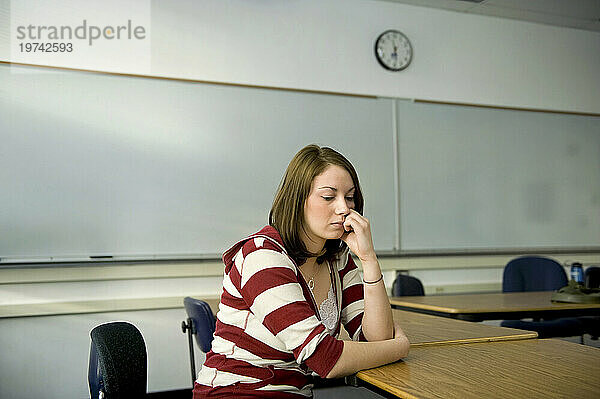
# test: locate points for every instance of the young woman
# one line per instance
(289, 288)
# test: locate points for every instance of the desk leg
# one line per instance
(351, 380)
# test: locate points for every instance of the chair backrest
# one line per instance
(118, 352)
(533, 273)
(203, 321)
(405, 285)
(592, 277)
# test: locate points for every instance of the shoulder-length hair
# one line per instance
(287, 212)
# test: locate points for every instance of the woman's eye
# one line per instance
(328, 198)
(351, 199)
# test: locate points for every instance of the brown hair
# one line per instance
(287, 212)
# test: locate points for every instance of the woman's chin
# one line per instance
(336, 235)
(331, 234)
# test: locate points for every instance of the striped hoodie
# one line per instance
(269, 340)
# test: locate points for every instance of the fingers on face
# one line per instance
(348, 224)
(356, 220)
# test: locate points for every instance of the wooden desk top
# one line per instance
(490, 304)
(426, 330)
(531, 368)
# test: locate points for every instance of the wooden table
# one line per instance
(531, 368)
(494, 306)
(426, 330)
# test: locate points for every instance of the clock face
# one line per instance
(393, 50)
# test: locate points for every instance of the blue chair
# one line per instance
(405, 285)
(118, 362)
(538, 273)
(200, 323)
(533, 273)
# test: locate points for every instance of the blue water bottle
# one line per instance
(577, 272)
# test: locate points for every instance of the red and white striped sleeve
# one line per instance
(352, 300)
(269, 285)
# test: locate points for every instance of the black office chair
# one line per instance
(538, 273)
(201, 323)
(592, 323)
(592, 277)
(405, 285)
(118, 362)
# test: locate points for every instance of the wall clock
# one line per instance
(393, 50)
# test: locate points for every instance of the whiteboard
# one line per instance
(102, 165)
(477, 178)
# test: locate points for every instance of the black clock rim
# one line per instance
(377, 55)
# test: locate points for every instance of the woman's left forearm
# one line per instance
(377, 322)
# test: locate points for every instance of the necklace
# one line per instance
(311, 280)
(311, 284)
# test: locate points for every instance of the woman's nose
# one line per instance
(342, 207)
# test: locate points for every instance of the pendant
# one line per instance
(311, 284)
